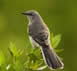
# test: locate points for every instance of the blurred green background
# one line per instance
(59, 15)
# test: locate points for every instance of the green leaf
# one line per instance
(55, 40)
(42, 67)
(59, 50)
(2, 58)
(14, 51)
(33, 60)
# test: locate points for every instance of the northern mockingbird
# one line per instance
(40, 36)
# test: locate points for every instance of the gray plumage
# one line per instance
(40, 35)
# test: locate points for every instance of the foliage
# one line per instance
(26, 60)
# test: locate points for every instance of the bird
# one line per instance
(39, 35)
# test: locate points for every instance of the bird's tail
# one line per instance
(51, 59)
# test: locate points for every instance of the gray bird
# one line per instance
(40, 36)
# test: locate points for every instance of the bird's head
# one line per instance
(32, 15)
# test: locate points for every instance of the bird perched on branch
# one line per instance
(40, 36)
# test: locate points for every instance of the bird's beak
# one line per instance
(26, 14)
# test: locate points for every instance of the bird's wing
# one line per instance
(41, 38)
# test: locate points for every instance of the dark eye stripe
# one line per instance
(30, 14)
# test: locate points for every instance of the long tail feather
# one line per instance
(51, 58)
